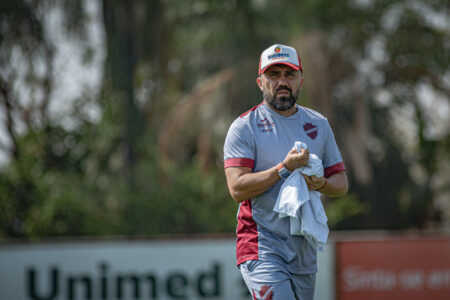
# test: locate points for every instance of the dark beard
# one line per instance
(283, 103)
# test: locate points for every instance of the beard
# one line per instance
(282, 103)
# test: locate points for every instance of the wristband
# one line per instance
(283, 172)
(284, 165)
(324, 185)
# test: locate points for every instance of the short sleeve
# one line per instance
(238, 148)
(332, 159)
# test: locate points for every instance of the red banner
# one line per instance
(413, 269)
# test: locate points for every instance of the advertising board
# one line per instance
(121, 270)
(393, 268)
(154, 269)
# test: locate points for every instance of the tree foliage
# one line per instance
(174, 76)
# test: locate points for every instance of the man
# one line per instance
(258, 157)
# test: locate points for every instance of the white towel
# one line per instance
(304, 207)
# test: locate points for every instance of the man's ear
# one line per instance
(301, 82)
(259, 82)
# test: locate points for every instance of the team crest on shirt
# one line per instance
(311, 130)
(264, 125)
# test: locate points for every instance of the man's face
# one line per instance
(280, 86)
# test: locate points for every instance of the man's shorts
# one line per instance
(271, 281)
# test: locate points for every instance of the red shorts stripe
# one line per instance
(334, 169)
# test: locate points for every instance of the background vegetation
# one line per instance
(113, 113)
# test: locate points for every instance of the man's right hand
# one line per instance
(295, 160)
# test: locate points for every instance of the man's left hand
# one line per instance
(314, 182)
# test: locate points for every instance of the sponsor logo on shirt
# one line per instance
(310, 130)
(265, 125)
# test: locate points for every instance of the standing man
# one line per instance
(258, 158)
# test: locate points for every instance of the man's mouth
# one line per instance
(283, 91)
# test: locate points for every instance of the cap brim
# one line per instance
(296, 68)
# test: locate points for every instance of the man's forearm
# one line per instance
(245, 185)
(336, 186)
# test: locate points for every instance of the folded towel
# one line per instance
(304, 207)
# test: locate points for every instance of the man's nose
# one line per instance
(282, 81)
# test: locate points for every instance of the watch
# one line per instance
(283, 172)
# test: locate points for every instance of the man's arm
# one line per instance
(334, 186)
(243, 184)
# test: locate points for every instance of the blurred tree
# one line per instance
(26, 84)
(374, 56)
(177, 72)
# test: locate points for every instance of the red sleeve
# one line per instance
(239, 162)
(334, 169)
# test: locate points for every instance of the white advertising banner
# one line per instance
(178, 269)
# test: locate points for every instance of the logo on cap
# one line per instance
(279, 54)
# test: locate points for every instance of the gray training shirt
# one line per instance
(260, 139)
